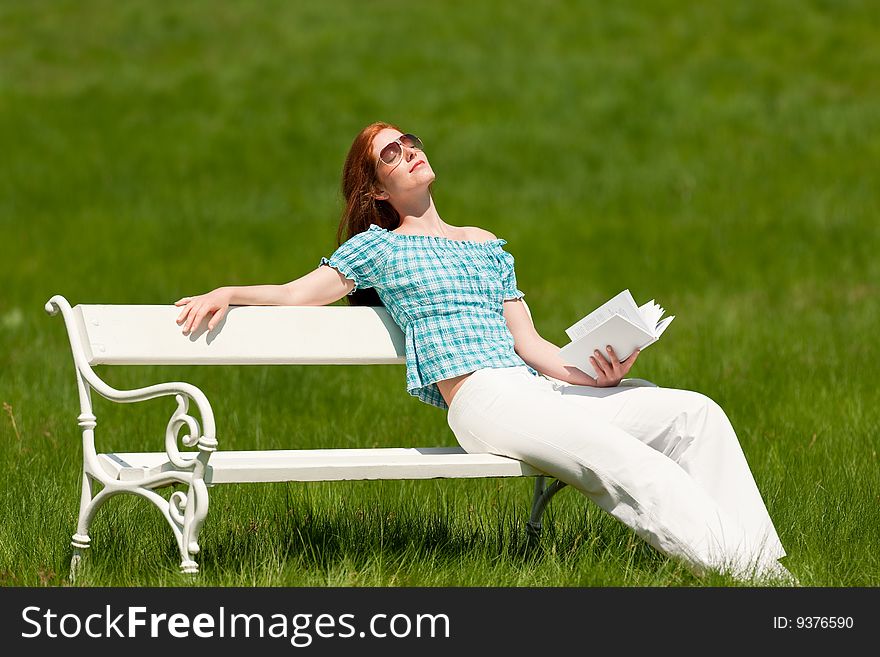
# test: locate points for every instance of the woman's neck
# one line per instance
(421, 217)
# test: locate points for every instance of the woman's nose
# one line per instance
(410, 153)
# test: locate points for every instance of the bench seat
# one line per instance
(226, 467)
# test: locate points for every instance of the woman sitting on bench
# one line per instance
(665, 462)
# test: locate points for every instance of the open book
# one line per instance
(617, 322)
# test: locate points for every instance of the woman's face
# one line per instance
(410, 173)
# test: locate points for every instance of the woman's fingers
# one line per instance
(196, 309)
(615, 363)
(191, 318)
(609, 369)
(199, 316)
(596, 369)
(599, 362)
(191, 323)
(216, 318)
(183, 313)
(630, 361)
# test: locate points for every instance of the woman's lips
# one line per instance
(415, 165)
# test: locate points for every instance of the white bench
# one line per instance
(247, 335)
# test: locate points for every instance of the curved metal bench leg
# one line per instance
(542, 496)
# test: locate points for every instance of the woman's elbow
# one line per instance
(526, 343)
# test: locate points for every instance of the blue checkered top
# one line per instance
(445, 295)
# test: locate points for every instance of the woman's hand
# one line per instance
(610, 372)
(213, 303)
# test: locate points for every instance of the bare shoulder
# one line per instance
(480, 234)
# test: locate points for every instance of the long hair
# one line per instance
(359, 184)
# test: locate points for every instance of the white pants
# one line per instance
(665, 462)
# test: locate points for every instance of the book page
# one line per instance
(623, 304)
(661, 326)
(651, 314)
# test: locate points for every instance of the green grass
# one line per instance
(718, 159)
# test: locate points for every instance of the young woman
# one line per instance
(665, 462)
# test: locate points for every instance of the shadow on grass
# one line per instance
(376, 544)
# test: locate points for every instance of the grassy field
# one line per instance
(720, 160)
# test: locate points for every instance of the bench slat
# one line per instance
(247, 335)
(326, 465)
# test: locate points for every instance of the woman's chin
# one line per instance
(423, 176)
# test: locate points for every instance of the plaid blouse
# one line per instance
(445, 295)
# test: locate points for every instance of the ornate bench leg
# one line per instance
(540, 499)
(187, 514)
(88, 505)
(79, 543)
(184, 512)
(81, 540)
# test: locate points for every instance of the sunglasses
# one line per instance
(392, 153)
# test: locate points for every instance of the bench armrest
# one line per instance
(205, 438)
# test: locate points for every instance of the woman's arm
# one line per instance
(543, 355)
(319, 287)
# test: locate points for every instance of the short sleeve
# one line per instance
(508, 274)
(361, 258)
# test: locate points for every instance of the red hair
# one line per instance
(359, 184)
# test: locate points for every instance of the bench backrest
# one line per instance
(246, 335)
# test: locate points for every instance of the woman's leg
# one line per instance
(694, 431)
(508, 411)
